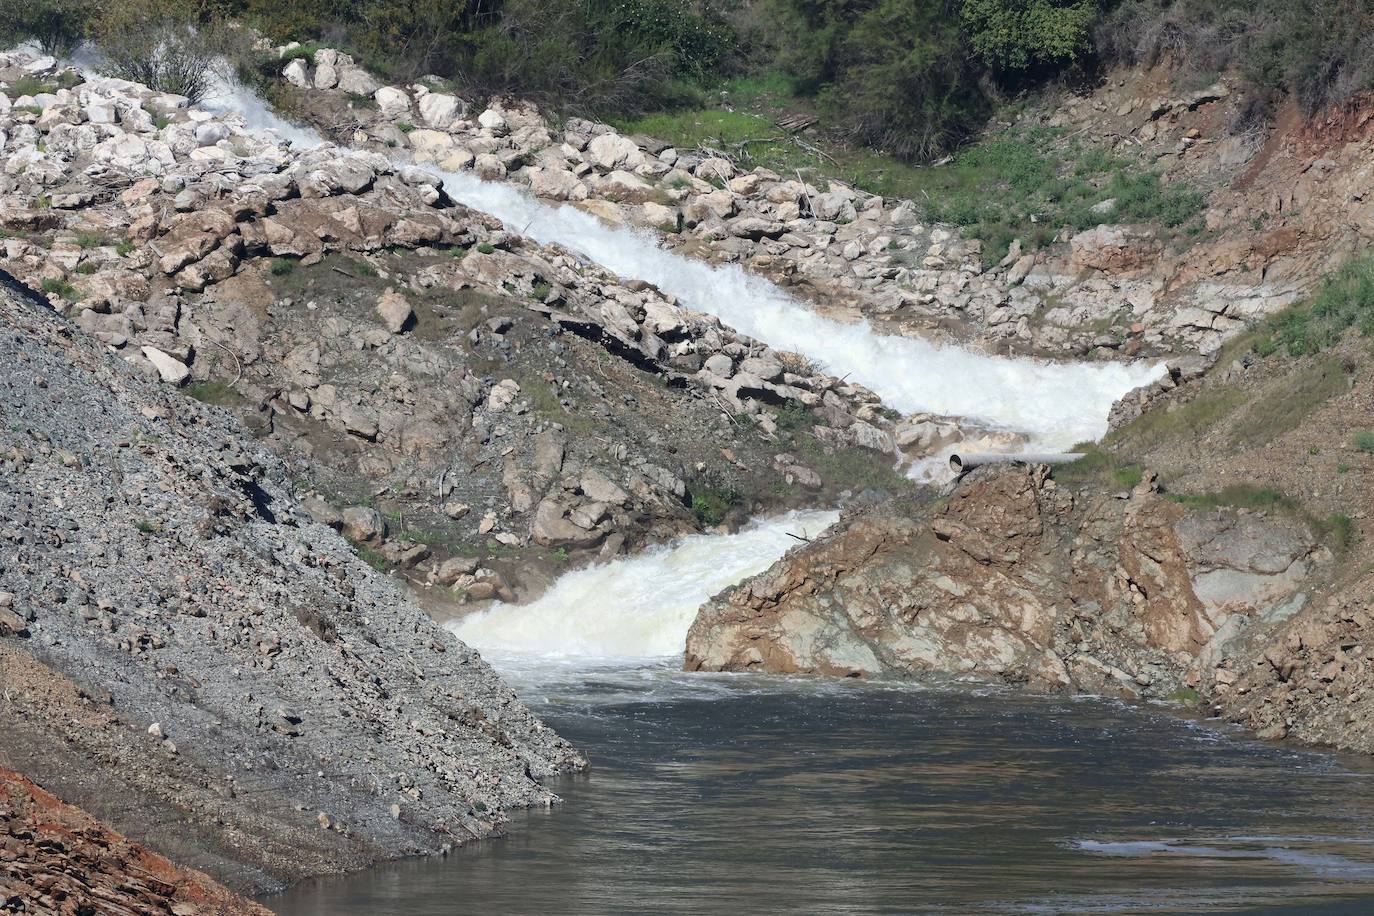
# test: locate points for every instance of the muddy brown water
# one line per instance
(718, 793)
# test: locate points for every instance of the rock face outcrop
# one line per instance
(57, 859)
(175, 627)
(1014, 578)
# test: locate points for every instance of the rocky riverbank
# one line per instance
(188, 655)
(1214, 552)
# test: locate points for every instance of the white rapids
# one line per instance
(634, 608)
(1057, 404)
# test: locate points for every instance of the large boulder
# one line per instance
(553, 528)
(609, 152)
(392, 102)
(439, 110)
(395, 312)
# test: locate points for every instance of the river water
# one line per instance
(715, 794)
(748, 793)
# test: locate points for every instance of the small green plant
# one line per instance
(486, 248)
(1344, 300)
(1339, 529)
(87, 268)
(560, 556)
(280, 267)
(540, 292)
(28, 109)
(362, 268)
(372, 558)
(161, 122)
(1342, 468)
(795, 416)
(125, 248)
(56, 286)
(145, 526)
(1364, 440)
(404, 127)
(214, 392)
(712, 506)
(89, 240)
(1187, 696)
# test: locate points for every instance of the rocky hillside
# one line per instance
(467, 406)
(1215, 550)
(1283, 207)
(188, 655)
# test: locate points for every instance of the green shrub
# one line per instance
(895, 75)
(280, 267)
(486, 248)
(795, 416)
(169, 45)
(58, 26)
(1364, 440)
(711, 506)
(1023, 35)
(1319, 52)
(55, 286)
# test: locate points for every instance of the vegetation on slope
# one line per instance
(913, 79)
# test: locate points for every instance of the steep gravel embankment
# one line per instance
(185, 654)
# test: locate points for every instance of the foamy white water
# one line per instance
(638, 607)
(1057, 404)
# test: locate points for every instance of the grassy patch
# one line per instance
(1337, 529)
(1344, 300)
(544, 402)
(1288, 401)
(1236, 496)
(1023, 183)
(1364, 440)
(221, 394)
(794, 417)
(89, 240)
(54, 286)
(372, 558)
(1100, 467)
(486, 248)
(1184, 421)
(280, 267)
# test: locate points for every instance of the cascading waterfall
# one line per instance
(1056, 404)
(639, 607)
